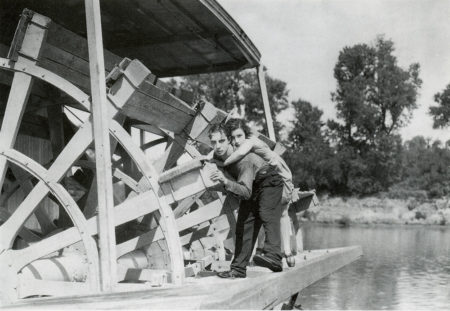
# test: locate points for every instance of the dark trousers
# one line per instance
(264, 208)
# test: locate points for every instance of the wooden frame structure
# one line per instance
(86, 211)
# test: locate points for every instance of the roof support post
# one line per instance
(108, 264)
(265, 99)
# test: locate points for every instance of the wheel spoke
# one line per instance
(129, 210)
(63, 162)
(15, 107)
(167, 223)
(41, 215)
(24, 233)
(31, 39)
(9, 228)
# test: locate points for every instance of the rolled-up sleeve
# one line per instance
(242, 188)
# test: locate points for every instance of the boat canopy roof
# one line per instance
(171, 37)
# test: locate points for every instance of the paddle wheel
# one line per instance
(169, 222)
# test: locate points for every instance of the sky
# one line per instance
(300, 41)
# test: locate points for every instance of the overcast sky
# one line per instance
(300, 42)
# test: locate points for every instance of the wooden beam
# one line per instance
(27, 235)
(206, 229)
(43, 219)
(91, 204)
(180, 170)
(66, 54)
(200, 265)
(77, 45)
(66, 200)
(209, 211)
(153, 143)
(128, 210)
(108, 264)
(177, 71)
(230, 206)
(32, 287)
(149, 128)
(28, 41)
(49, 77)
(62, 163)
(195, 129)
(144, 40)
(265, 99)
(127, 163)
(147, 102)
(67, 73)
(208, 114)
(56, 131)
(167, 223)
(158, 107)
(152, 276)
(170, 156)
(185, 204)
(190, 182)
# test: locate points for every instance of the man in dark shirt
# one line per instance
(260, 188)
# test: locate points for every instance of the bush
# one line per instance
(397, 192)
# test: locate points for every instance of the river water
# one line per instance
(402, 268)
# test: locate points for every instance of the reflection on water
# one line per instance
(403, 268)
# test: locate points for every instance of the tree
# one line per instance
(426, 167)
(374, 99)
(307, 125)
(240, 91)
(309, 156)
(374, 95)
(441, 113)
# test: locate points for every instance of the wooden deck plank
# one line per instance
(261, 289)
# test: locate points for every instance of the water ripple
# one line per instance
(403, 268)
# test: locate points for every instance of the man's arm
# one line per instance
(242, 188)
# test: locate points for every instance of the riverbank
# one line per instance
(374, 210)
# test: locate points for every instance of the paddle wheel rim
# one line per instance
(67, 202)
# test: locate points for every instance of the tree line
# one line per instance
(360, 152)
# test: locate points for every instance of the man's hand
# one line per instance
(218, 176)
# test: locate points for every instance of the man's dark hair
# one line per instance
(234, 124)
(218, 128)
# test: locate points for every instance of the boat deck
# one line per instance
(261, 289)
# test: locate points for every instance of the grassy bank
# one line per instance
(373, 210)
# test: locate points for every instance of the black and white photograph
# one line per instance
(225, 154)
